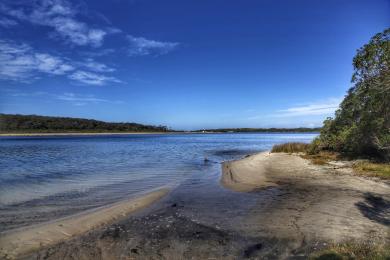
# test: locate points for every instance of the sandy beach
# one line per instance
(268, 206)
(324, 203)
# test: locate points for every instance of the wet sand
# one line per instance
(274, 206)
(22, 241)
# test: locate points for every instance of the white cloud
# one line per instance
(50, 64)
(72, 98)
(32, 94)
(5, 22)
(91, 78)
(61, 16)
(96, 66)
(316, 108)
(140, 46)
(20, 62)
(81, 100)
(77, 99)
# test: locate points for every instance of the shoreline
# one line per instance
(77, 134)
(22, 241)
(138, 133)
(265, 205)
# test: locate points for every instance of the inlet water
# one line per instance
(47, 177)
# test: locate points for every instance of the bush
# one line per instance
(290, 148)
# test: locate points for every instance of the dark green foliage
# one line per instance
(361, 126)
(46, 124)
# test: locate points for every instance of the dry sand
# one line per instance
(247, 174)
(20, 242)
(324, 203)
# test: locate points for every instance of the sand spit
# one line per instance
(23, 241)
(247, 174)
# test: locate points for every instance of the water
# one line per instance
(47, 177)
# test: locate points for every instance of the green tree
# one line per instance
(361, 126)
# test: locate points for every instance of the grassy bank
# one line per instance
(362, 168)
(369, 251)
(380, 170)
(290, 148)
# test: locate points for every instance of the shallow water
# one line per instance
(47, 177)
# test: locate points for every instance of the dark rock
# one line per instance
(251, 250)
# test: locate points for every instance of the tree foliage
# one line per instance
(33, 123)
(361, 126)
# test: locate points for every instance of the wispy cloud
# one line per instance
(81, 100)
(140, 46)
(91, 78)
(77, 98)
(95, 66)
(5, 22)
(98, 53)
(62, 17)
(31, 94)
(319, 108)
(20, 62)
(72, 98)
(315, 108)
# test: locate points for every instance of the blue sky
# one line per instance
(185, 64)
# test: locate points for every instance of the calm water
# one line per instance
(46, 177)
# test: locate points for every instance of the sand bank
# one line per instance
(248, 173)
(22, 241)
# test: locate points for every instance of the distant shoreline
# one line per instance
(137, 133)
(82, 133)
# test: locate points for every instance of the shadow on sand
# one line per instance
(375, 208)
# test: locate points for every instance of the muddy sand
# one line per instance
(274, 206)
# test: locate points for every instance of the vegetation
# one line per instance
(46, 124)
(363, 168)
(358, 251)
(261, 130)
(290, 148)
(361, 127)
(321, 158)
(380, 170)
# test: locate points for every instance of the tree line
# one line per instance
(47, 124)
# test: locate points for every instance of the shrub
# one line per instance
(290, 148)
